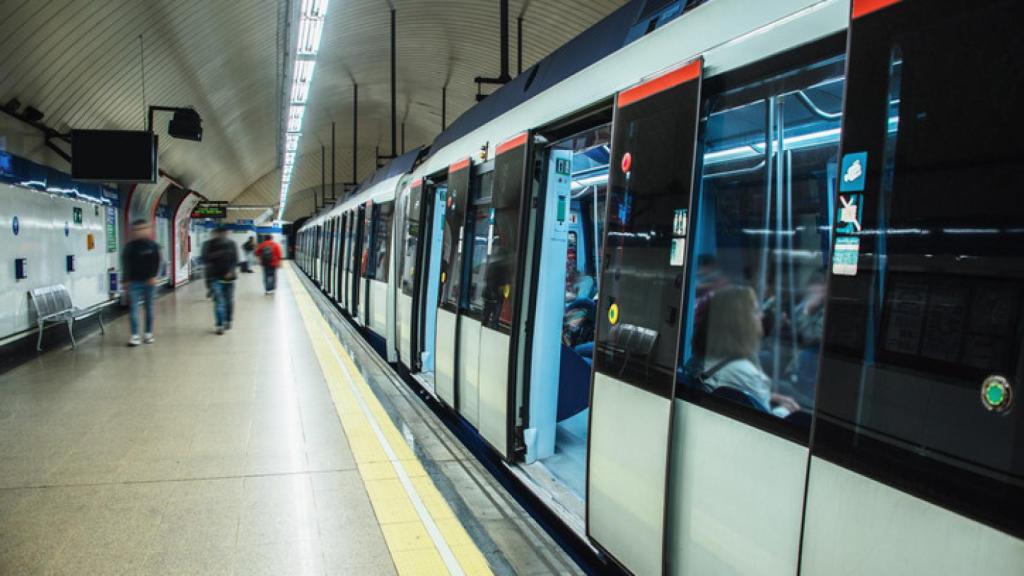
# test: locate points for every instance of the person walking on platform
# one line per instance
(249, 247)
(140, 263)
(269, 253)
(220, 254)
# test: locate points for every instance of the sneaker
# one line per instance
(148, 338)
(227, 326)
(220, 329)
(134, 340)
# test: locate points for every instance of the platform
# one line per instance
(277, 448)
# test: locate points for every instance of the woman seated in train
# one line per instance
(727, 342)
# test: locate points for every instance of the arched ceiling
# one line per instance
(79, 62)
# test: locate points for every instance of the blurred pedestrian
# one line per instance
(220, 254)
(269, 253)
(140, 263)
(248, 247)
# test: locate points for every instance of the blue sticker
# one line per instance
(854, 173)
(16, 225)
(67, 229)
(845, 256)
(850, 213)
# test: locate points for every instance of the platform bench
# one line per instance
(53, 305)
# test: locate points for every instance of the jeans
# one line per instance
(140, 292)
(223, 301)
(269, 278)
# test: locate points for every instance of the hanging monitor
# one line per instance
(113, 156)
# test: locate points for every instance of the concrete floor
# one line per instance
(207, 454)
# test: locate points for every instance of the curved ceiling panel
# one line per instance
(79, 62)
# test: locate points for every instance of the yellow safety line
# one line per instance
(422, 533)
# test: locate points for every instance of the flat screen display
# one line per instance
(113, 156)
(210, 211)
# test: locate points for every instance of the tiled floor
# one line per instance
(206, 454)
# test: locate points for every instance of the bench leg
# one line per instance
(71, 333)
(39, 341)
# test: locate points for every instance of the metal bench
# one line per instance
(53, 305)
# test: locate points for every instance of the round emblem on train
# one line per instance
(627, 162)
(613, 314)
(996, 394)
(15, 225)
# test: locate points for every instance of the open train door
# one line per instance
(916, 463)
(455, 202)
(654, 139)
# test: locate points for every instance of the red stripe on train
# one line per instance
(865, 7)
(511, 144)
(654, 86)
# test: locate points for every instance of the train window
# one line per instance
(480, 230)
(924, 340)
(454, 231)
(502, 244)
(410, 243)
(761, 242)
(382, 241)
(365, 267)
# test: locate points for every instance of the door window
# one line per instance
(761, 243)
(480, 231)
(382, 241)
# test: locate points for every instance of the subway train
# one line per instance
(736, 287)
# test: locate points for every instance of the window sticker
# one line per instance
(613, 314)
(15, 225)
(845, 256)
(678, 257)
(851, 212)
(680, 223)
(854, 173)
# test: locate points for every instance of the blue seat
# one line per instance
(573, 384)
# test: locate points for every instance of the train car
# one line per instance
(733, 286)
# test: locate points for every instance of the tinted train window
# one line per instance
(452, 250)
(411, 241)
(762, 239)
(480, 231)
(503, 232)
(927, 315)
(365, 267)
(382, 241)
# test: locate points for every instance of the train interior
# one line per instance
(763, 226)
(566, 306)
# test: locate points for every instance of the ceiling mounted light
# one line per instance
(295, 114)
(310, 31)
(314, 8)
(301, 80)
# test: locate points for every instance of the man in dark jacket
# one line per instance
(140, 263)
(220, 258)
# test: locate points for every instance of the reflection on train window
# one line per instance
(453, 234)
(382, 241)
(936, 309)
(411, 239)
(364, 258)
(503, 231)
(762, 239)
(481, 232)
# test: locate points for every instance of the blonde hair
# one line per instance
(732, 328)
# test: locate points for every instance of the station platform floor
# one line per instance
(284, 446)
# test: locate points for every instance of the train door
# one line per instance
(562, 305)
(455, 203)
(406, 242)
(337, 264)
(478, 246)
(365, 262)
(380, 270)
(318, 275)
(346, 258)
(916, 463)
(500, 292)
(654, 138)
(428, 279)
(335, 247)
(355, 262)
(759, 238)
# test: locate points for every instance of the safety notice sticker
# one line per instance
(855, 169)
(851, 211)
(845, 256)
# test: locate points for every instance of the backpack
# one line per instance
(267, 256)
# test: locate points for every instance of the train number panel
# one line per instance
(654, 138)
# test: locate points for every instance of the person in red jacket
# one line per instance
(269, 255)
